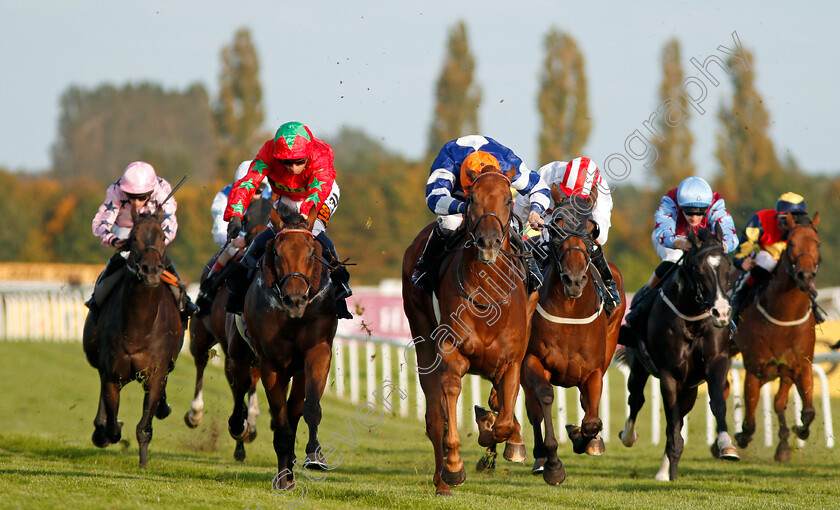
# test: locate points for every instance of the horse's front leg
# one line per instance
(200, 343)
(804, 379)
(506, 429)
(107, 429)
(154, 387)
(752, 385)
(716, 382)
(537, 380)
(239, 378)
(535, 417)
(780, 403)
(674, 401)
(316, 368)
(453, 474)
(275, 382)
(636, 398)
(584, 437)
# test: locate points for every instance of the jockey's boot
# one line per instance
(104, 284)
(209, 287)
(819, 316)
(535, 277)
(744, 290)
(179, 289)
(611, 298)
(428, 260)
(241, 272)
(339, 276)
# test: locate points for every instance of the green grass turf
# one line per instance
(48, 397)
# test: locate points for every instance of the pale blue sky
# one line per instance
(373, 64)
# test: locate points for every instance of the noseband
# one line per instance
(471, 226)
(133, 263)
(564, 234)
(280, 284)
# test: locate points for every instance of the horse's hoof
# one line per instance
(487, 462)
(539, 466)
(554, 476)
(453, 479)
(662, 477)
(246, 429)
(253, 434)
(628, 442)
(596, 446)
(239, 451)
(163, 410)
(729, 453)
(783, 453)
(192, 418)
(99, 438)
(742, 439)
(315, 461)
(579, 443)
(118, 435)
(801, 432)
(515, 452)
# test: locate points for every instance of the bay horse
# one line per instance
(478, 322)
(209, 330)
(685, 342)
(572, 340)
(138, 335)
(776, 334)
(290, 314)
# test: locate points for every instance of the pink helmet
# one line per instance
(139, 178)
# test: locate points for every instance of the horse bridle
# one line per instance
(692, 278)
(505, 226)
(280, 284)
(790, 265)
(564, 233)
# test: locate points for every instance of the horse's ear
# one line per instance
(159, 214)
(134, 214)
(313, 215)
(789, 221)
(692, 237)
(274, 218)
(718, 232)
(816, 221)
(510, 174)
(556, 194)
(471, 174)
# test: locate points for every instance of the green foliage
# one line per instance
(562, 100)
(457, 96)
(102, 130)
(239, 110)
(674, 146)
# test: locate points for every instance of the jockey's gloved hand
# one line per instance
(120, 244)
(234, 227)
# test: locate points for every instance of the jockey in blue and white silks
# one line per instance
(448, 185)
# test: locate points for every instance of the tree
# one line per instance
(562, 100)
(674, 139)
(751, 175)
(458, 98)
(103, 130)
(239, 110)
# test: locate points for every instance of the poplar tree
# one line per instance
(458, 97)
(674, 140)
(239, 110)
(562, 100)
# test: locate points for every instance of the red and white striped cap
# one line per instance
(581, 174)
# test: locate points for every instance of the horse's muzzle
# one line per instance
(721, 312)
(294, 305)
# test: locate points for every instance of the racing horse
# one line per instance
(776, 334)
(209, 329)
(478, 322)
(684, 342)
(138, 335)
(572, 340)
(290, 315)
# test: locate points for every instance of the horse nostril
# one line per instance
(583, 280)
(566, 280)
(287, 301)
(144, 268)
(481, 243)
(715, 313)
(497, 244)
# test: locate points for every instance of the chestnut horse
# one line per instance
(138, 335)
(478, 322)
(572, 339)
(776, 334)
(209, 329)
(686, 340)
(290, 314)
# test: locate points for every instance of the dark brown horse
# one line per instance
(209, 330)
(478, 323)
(138, 335)
(572, 340)
(686, 340)
(776, 334)
(290, 314)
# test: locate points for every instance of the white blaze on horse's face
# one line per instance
(721, 304)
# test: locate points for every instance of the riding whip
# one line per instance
(184, 178)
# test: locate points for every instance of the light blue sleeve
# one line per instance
(665, 226)
(719, 214)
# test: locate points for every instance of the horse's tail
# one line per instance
(623, 356)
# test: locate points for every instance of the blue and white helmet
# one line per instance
(694, 192)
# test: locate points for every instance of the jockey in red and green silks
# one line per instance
(300, 169)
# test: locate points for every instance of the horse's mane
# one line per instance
(290, 217)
